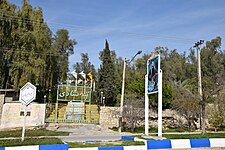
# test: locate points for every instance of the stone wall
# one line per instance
(2, 98)
(109, 117)
(12, 115)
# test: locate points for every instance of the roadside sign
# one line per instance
(27, 93)
(153, 67)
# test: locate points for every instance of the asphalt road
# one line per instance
(90, 138)
(89, 133)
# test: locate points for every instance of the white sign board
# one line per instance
(27, 93)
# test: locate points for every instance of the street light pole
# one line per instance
(123, 87)
(197, 45)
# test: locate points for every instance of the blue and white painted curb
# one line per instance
(38, 147)
(112, 148)
(185, 143)
(149, 145)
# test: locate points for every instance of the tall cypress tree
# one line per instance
(106, 82)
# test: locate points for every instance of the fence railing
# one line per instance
(65, 113)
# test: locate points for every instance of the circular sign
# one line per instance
(27, 93)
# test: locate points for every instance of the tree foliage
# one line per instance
(106, 81)
(29, 51)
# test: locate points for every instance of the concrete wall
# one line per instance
(109, 117)
(2, 98)
(12, 117)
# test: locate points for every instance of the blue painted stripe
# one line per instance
(92, 141)
(54, 147)
(158, 144)
(195, 143)
(111, 148)
(127, 138)
(2, 148)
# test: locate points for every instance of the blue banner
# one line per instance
(153, 71)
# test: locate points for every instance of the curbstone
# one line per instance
(111, 148)
(127, 138)
(149, 144)
(217, 142)
(54, 147)
(197, 143)
(158, 144)
(36, 147)
(181, 143)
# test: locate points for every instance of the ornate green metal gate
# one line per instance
(73, 105)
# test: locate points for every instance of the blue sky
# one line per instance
(132, 25)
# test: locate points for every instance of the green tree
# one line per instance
(212, 72)
(63, 46)
(6, 29)
(27, 50)
(106, 81)
(216, 111)
(186, 103)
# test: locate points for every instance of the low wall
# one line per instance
(13, 115)
(2, 97)
(109, 117)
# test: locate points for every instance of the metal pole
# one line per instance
(24, 122)
(160, 102)
(123, 84)
(199, 73)
(101, 98)
(200, 87)
(146, 105)
(56, 106)
(122, 92)
(76, 85)
(202, 117)
(89, 107)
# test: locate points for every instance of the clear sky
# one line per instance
(132, 25)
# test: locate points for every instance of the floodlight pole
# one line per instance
(123, 87)
(197, 45)
(122, 94)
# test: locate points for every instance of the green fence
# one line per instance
(72, 113)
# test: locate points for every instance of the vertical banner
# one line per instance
(153, 84)
(153, 67)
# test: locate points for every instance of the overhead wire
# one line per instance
(82, 28)
(5, 49)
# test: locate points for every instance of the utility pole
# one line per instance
(125, 63)
(202, 102)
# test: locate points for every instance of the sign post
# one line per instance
(153, 84)
(146, 105)
(27, 95)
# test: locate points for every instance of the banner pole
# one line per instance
(160, 104)
(146, 105)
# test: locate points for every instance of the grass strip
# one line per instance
(31, 133)
(29, 141)
(151, 130)
(194, 136)
(104, 144)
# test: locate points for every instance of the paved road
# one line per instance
(89, 133)
(83, 138)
